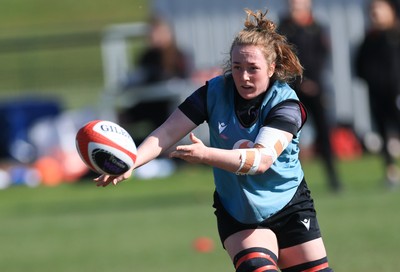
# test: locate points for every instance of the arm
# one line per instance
(197, 152)
(168, 134)
(230, 160)
(283, 122)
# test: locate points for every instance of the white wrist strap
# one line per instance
(250, 160)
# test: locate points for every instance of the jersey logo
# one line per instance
(306, 223)
(221, 127)
(242, 144)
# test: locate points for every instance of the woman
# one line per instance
(161, 60)
(303, 30)
(266, 218)
(378, 63)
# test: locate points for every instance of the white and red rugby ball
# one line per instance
(105, 147)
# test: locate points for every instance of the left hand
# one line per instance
(193, 153)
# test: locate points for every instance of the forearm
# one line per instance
(167, 135)
(228, 160)
(245, 161)
(233, 160)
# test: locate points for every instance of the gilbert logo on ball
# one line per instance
(105, 147)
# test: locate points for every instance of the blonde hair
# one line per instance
(261, 32)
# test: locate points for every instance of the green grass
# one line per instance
(37, 56)
(150, 225)
(27, 18)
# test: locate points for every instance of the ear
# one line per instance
(271, 69)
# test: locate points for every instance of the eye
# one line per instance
(253, 69)
(236, 67)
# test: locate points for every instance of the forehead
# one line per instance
(380, 4)
(247, 53)
(300, 4)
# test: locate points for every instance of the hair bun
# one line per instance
(258, 20)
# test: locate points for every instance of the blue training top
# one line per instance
(251, 198)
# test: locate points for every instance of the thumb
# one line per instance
(194, 139)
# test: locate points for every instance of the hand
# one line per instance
(193, 153)
(105, 180)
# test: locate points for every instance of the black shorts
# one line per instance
(295, 224)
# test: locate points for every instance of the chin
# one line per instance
(247, 95)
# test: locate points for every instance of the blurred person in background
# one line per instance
(162, 60)
(397, 6)
(308, 36)
(378, 63)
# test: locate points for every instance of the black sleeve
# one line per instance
(289, 116)
(195, 106)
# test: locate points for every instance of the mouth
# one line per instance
(247, 88)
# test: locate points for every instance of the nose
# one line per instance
(245, 75)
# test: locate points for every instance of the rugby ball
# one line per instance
(105, 147)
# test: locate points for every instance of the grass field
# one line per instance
(150, 225)
(53, 48)
(27, 18)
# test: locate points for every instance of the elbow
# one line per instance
(265, 164)
(263, 168)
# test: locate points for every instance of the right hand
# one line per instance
(104, 180)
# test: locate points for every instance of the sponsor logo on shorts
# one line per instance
(306, 223)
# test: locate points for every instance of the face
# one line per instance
(160, 35)
(250, 70)
(300, 5)
(382, 14)
(300, 10)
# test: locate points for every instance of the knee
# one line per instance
(255, 259)
(320, 265)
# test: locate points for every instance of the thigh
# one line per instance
(297, 222)
(306, 252)
(245, 239)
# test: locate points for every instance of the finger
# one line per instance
(104, 183)
(121, 178)
(101, 177)
(179, 154)
(182, 148)
(102, 180)
(175, 154)
(117, 180)
(128, 174)
(194, 139)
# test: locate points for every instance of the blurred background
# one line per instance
(64, 63)
(52, 80)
